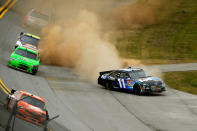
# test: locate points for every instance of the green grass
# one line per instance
(183, 81)
(174, 38)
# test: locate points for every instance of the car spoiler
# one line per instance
(104, 72)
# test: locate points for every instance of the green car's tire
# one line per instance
(34, 71)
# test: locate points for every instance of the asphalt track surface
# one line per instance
(88, 107)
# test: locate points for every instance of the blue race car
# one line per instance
(133, 79)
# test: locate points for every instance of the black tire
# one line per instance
(109, 86)
(137, 89)
(7, 104)
(34, 71)
(47, 115)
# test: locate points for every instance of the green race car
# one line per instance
(25, 59)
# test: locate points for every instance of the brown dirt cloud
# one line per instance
(79, 43)
(142, 13)
(78, 39)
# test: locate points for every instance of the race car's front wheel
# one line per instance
(34, 71)
(136, 89)
(47, 115)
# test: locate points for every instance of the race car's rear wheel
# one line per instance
(109, 86)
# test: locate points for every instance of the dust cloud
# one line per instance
(150, 71)
(79, 43)
(142, 13)
(79, 38)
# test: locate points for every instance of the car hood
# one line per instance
(151, 81)
(26, 60)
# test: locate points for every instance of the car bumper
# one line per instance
(20, 66)
(155, 89)
(29, 119)
(25, 115)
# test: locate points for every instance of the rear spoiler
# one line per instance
(105, 72)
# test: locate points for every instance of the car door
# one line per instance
(122, 80)
(113, 78)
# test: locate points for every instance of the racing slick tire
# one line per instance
(47, 115)
(136, 89)
(109, 86)
(34, 71)
(7, 103)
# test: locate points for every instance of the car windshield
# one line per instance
(40, 16)
(29, 39)
(26, 53)
(33, 101)
(137, 74)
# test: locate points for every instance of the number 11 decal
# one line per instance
(121, 83)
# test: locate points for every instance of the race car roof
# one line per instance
(130, 69)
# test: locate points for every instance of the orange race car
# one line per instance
(36, 19)
(28, 107)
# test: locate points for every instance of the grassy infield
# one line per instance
(174, 40)
(184, 81)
